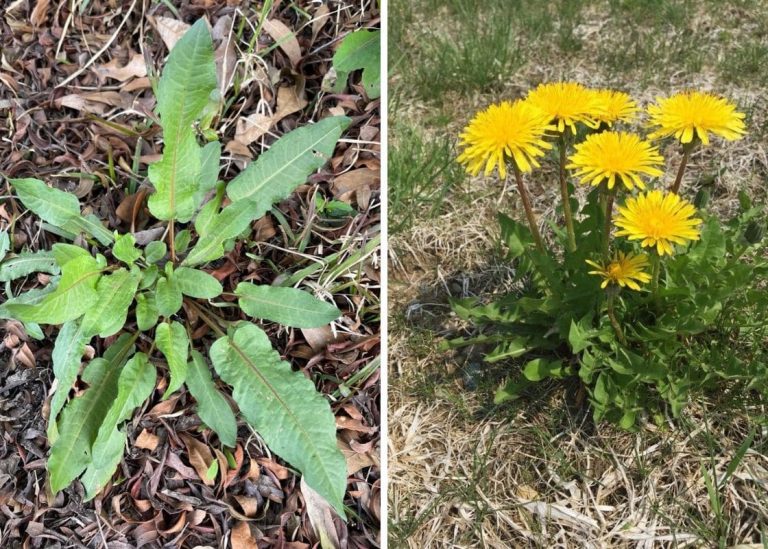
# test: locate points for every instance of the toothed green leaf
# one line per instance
(83, 416)
(284, 407)
(208, 213)
(67, 354)
(64, 253)
(146, 311)
(287, 306)
(115, 294)
(75, 294)
(91, 226)
(168, 296)
(155, 251)
(125, 249)
(196, 283)
(134, 386)
(171, 338)
(28, 298)
(275, 174)
(184, 89)
(271, 178)
(360, 50)
(51, 205)
(212, 407)
(229, 223)
(27, 263)
(209, 173)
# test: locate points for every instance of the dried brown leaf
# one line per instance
(252, 127)
(135, 67)
(355, 460)
(200, 457)
(241, 537)
(285, 38)
(318, 19)
(147, 441)
(170, 30)
(40, 13)
(225, 54)
(249, 505)
(318, 338)
(350, 424)
(320, 516)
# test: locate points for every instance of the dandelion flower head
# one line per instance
(567, 103)
(611, 156)
(658, 219)
(507, 130)
(624, 270)
(614, 106)
(695, 114)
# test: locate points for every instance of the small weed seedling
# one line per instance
(92, 296)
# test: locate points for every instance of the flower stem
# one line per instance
(612, 317)
(566, 197)
(528, 208)
(655, 270)
(681, 170)
(610, 195)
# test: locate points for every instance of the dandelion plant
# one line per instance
(641, 274)
(138, 298)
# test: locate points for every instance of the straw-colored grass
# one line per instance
(539, 472)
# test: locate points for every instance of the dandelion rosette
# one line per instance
(613, 106)
(624, 270)
(658, 219)
(566, 103)
(609, 156)
(696, 114)
(513, 130)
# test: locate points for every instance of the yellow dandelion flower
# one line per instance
(614, 106)
(658, 219)
(566, 103)
(615, 155)
(624, 270)
(507, 130)
(694, 113)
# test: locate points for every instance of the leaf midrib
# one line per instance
(113, 370)
(285, 166)
(48, 201)
(282, 304)
(198, 43)
(296, 421)
(129, 278)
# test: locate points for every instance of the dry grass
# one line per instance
(539, 473)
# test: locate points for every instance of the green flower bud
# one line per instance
(702, 199)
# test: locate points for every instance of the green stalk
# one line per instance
(655, 270)
(612, 317)
(687, 148)
(528, 208)
(566, 196)
(610, 195)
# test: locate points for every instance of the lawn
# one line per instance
(538, 472)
